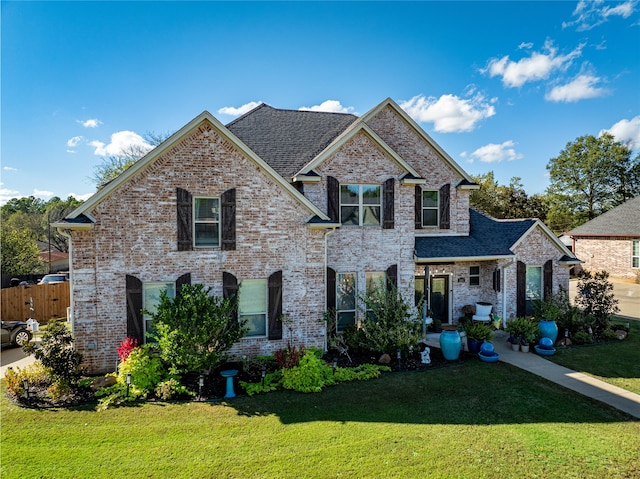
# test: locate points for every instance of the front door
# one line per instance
(439, 300)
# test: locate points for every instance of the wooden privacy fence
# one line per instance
(41, 302)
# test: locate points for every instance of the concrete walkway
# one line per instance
(581, 383)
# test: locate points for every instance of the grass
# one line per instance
(617, 363)
(470, 420)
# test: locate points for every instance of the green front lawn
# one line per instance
(470, 420)
(616, 362)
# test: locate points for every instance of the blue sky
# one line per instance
(501, 86)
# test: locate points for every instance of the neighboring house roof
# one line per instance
(488, 238)
(623, 220)
(288, 139)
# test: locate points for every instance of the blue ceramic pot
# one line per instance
(450, 344)
(548, 329)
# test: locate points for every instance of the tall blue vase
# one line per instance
(450, 344)
(548, 329)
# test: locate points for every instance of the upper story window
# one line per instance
(635, 254)
(430, 208)
(474, 275)
(360, 205)
(206, 222)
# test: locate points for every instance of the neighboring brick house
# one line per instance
(300, 212)
(611, 241)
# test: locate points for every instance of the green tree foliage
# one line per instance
(589, 177)
(55, 210)
(19, 251)
(195, 329)
(595, 297)
(506, 202)
(114, 165)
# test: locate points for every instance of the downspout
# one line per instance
(326, 233)
(71, 309)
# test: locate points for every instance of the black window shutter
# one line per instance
(521, 289)
(185, 219)
(333, 199)
(496, 280)
(331, 290)
(445, 207)
(181, 281)
(228, 200)
(135, 328)
(418, 196)
(392, 277)
(230, 289)
(388, 196)
(547, 279)
(275, 305)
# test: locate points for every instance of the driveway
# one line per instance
(628, 295)
(15, 358)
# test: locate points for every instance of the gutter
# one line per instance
(67, 235)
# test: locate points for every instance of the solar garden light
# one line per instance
(128, 381)
(335, 365)
(263, 373)
(628, 326)
(399, 355)
(200, 384)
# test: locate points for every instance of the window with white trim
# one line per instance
(346, 287)
(534, 285)
(151, 299)
(635, 254)
(375, 281)
(474, 275)
(360, 205)
(430, 208)
(206, 222)
(252, 306)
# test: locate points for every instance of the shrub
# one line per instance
(310, 375)
(125, 348)
(195, 329)
(388, 323)
(35, 373)
(289, 357)
(57, 355)
(478, 331)
(172, 389)
(595, 297)
(146, 371)
(582, 337)
(272, 382)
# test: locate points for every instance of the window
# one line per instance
(206, 222)
(151, 299)
(375, 281)
(252, 306)
(345, 300)
(635, 254)
(360, 205)
(474, 275)
(533, 286)
(430, 207)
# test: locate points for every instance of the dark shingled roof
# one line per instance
(487, 237)
(78, 220)
(623, 220)
(288, 139)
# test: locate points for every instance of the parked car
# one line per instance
(54, 278)
(15, 333)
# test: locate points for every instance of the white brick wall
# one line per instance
(613, 255)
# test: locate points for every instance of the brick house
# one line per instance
(299, 212)
(611, 241)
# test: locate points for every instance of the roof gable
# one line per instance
(623, 220)
(288, 139)
(83, 210)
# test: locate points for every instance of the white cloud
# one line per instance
(627, 132)
(9, 168)
(580, 88)
(73, 142)
(331, 106)
(42, 193)
(495, 153)
(590, 14)
(6, 194)
(122, 142)
(90, 123)
(449, 113)
(538, 66)
(84, 197)
(232, 111)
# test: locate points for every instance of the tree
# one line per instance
(506, 202)
(55, 210)
(18, 251)
(114, 165)
(589, 177)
